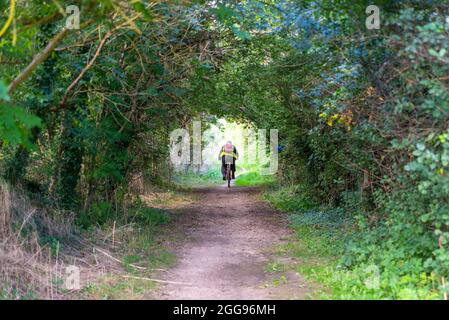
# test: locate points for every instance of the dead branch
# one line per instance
(156, 280)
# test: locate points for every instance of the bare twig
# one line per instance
(119, 261)
(25, 221)
(156, 280)
(86, 68)
(94, 58)
(113, 234)
(107, 255)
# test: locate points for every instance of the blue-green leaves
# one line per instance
(241, 34)
(225, 14)
(230, 18)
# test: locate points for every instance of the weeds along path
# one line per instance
(231, 237)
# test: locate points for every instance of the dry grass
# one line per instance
(22, 272)
(36, 246)
(166, 200)
(38, 243)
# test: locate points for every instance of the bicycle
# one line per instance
(228, 174)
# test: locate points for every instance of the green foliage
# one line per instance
(232, 19)
(203, 179)
(140, 7)
(53, 243)
(103, 212)
(12, 294)
(356, 260)
(399, 246)
(150, 216)
(98, 214)
(4, 92)
(355, 284)
(362, 116)
(429, 171)
(363, 123)
(292, 198)
(117, 288)
(112, 126)
(70, 160)
(254, 178)
(15, 122)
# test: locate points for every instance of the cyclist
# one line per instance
(228, 154)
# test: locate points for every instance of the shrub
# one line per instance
(150, 216)
(254, 179)
(291, 198)
(98, 214)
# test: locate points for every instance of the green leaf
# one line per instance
(15, 125)
(140, 7)
(224, 14)
(152, 91)
(243, 35)
(4, 92)
(420, 146)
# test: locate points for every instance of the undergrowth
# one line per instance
(38, 243)
(142, 255)
(254, 178)
(351, 257)
(190, 179)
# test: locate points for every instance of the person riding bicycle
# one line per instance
(228, 154)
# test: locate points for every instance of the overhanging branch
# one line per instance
(38, 59)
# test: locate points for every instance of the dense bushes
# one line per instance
(362, 118)
(356, 257)
(86, 128)
(100, 109)
(362, 114)
(292, 198)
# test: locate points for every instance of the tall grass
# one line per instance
(37, 244)
(191, 179)
(254, 178)
(27, 269)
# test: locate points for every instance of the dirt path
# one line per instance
(231, 237)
